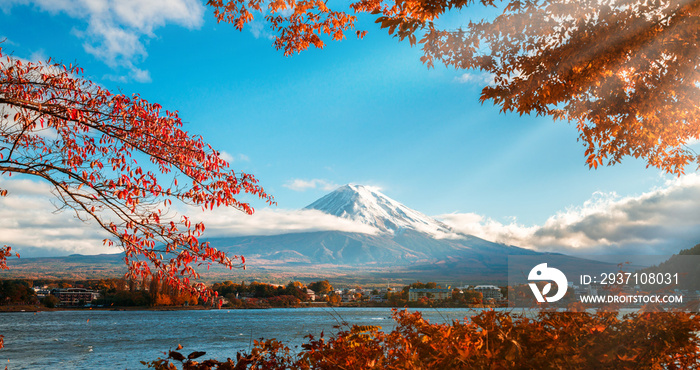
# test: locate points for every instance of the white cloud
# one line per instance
(661, 221)
(38, 56)
(260, 28)
(229, 222)
(23, 187)
(226, 156)
(29, 220)
(230, 158)
(479, 78)
(29, 223)
(303, 185)
(140, 75)
(116, 30)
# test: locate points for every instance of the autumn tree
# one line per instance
(488, 340)
(296, 289)
(321, 287)
(625, 72)
(16, 292)
(84, 141)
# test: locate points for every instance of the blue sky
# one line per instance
(365, 112)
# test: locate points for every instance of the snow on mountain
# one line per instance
(367, 205)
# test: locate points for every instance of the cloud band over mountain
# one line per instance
(661, 221)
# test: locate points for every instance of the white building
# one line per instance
(437, 294)
(489, 291)
(311, 294)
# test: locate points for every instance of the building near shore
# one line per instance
(489, 292)
(75, 296)
(415, 294)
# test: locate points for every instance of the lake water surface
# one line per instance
(120, 339)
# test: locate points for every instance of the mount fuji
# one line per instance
(406, 243)
(367, 205)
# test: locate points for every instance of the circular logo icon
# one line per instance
(543, 273)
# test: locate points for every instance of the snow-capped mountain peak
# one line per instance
(367, 205)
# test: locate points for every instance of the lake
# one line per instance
(120, 339)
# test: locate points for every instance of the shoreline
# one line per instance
(35, 309)
(30, 308)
